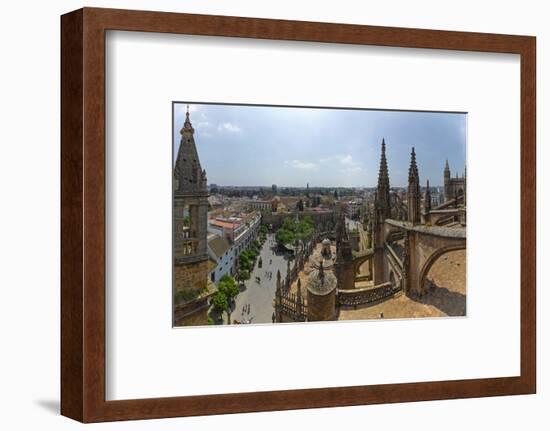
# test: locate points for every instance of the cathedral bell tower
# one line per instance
(190, 219)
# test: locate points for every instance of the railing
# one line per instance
(289, 307)
(373, 295)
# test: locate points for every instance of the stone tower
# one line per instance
(413, 194)
(190, 218)
(454, 187)
(447, 181)
(321, 295)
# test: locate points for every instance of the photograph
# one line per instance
(305, 214)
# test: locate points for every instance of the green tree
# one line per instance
(253, 253)
(291, 230)
(285, 236)
(244, 274)
(245, 262)
(228, 286)
(288, 224)
(219, 301)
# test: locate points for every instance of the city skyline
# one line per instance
(320, 146)
(309, 257)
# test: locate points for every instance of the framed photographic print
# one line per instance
(267, 215)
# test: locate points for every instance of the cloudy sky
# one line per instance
(254, 145)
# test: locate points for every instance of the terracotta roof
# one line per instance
(224, 224)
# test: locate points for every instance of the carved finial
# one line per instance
(187, 126)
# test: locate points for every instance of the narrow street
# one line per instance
(260, 295)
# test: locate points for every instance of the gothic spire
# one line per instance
(190, 177)
(383, 188)
(413, 168)
(428, 198)
(447, 170)
(383, 177)
(341, 231)
(413, 195)
(187, 126)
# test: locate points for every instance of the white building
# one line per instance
(226, 240)
(220, 251)
(256, 204)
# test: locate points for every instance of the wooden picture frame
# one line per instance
(83, 335)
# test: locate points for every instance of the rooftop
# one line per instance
(218, 245)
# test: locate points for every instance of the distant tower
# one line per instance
(427, 198)
(454, 187)
(307, 190)
(447, 181)
(383, 207)
(413, 195)
(190, 218)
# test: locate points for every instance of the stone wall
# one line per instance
(192, 314)
(191, 276)
(321, 307)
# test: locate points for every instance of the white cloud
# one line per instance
(229, 127)
(299, 164)
(351, 170)
(203, 125)
(345, 160)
